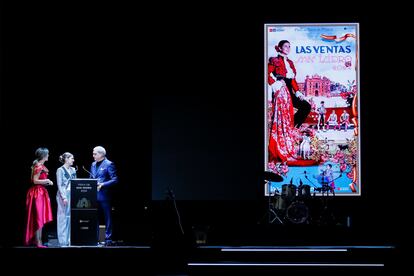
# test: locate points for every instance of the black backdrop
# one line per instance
(177, 100)
(69, 83)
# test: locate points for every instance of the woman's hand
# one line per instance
(300, 95)
(50, 182)
(65, 202)
(276, 86)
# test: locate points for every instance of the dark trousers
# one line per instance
(302, 106)
(106, 207)
(322, 120)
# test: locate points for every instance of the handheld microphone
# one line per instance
(83, 167)
(170, 192)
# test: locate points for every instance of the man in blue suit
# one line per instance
(104, 170)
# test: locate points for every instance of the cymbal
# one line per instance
(270, 176)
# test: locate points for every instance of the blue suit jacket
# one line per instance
(105, 174)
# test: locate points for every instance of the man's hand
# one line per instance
(100, 186)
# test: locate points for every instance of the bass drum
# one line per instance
(297, 212)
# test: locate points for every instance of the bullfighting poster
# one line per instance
(312, 127)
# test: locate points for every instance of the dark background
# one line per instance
(69, 83)
(176, 98)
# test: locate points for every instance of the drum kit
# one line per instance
(291, 202)
(289, 205)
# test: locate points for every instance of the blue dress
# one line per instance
(63, 177)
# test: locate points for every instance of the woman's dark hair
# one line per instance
(63, 157)
(281, 43)
(279, 46)
(40, 153)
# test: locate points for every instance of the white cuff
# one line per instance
(299, 94)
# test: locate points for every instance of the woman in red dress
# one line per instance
(39, 211)
(281, 79)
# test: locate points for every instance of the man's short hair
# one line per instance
(100, 150)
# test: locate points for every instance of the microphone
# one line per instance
(170, 192)
(83, 167)
(306, 176)
(309, 180)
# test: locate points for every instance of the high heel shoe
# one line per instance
(39, 245)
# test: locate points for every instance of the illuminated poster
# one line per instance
(312, 91)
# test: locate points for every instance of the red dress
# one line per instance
(282, 132)
(281, 146)
(39, 211)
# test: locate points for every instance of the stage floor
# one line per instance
(221, 259)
